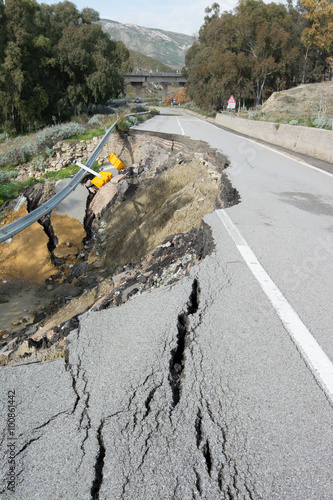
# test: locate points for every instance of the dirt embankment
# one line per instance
(145, 230)
(301, 103)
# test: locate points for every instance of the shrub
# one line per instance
(123, 125)
(49, 152)
(38, 163)
(22, 149)
(94, 121)
(3, 137)
(5, 176)
(322, 122)
(139, 109)
(133, 120)
(293, 122)
(180, 97)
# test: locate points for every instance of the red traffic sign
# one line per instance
(231, 103)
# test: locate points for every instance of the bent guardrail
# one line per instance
(10, 230)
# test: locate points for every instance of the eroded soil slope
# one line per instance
(142, 231)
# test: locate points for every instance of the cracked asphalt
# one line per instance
(194, 390)
(183, 392)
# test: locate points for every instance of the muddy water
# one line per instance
(20, 301)
(25, 265)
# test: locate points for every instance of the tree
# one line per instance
(248, 53)
(264, 34)
(2, 30)
(319, 32)
(17, 79)
(54, 59)
(91, 64)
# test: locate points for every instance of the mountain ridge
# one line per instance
(166, 46)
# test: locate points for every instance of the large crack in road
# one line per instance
(166, 431)
(179, 393)
(156, 400)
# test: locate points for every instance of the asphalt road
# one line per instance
(74, 205)
(202, 389)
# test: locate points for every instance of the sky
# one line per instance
(185, 16)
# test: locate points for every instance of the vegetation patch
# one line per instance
(257, 49)
(23, 148)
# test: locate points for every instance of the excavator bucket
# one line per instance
(103, 179)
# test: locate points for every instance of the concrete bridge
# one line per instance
(138, 79)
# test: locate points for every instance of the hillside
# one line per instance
(304, 103)
(168, 47)
(309, 104)
(146, 63)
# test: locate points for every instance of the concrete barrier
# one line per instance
(306, 140)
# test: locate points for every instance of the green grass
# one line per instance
(95, 132)
(14, 188)
(90, 133)
(57, 175)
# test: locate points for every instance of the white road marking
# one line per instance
(275, 150)
(290, 157)
(316, 359)
(181, 128)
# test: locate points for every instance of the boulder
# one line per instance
(103, 199)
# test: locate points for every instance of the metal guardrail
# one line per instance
(10, 230)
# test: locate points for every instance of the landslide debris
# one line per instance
(143, 230)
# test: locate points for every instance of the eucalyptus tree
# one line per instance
(54, 59)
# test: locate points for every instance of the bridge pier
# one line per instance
(138, 89)
(164, 90)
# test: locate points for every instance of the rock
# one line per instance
(141, 279)
(103, 199)
(31, 331)
(97, 264)
(129, 292)
(52, 336)
(117, 178)
(4, 356)
(24, 349)
(122, 186)
(39, 317)
(79, 270)
(118, 279)
(61, 344)
(85, 282)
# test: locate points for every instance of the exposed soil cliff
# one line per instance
(142, 230)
